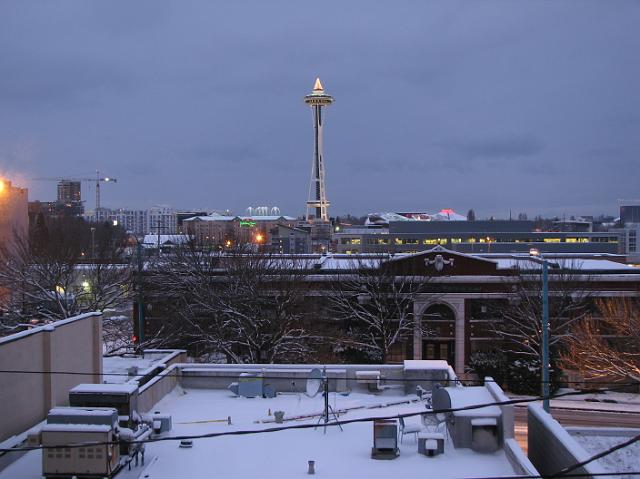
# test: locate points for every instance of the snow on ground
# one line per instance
(285, 454)
(626, 459)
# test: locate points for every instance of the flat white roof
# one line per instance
(105, 388)
(285, 453)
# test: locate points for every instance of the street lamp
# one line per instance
(536, 257)
(141, 318)
(93, 243)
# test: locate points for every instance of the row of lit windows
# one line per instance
(487, 239)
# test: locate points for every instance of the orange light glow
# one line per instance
(259, 238)
(1, 185)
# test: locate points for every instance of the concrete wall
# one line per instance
(293, 377)
(551, 447)
(162, 384)
(71, 345)
(508, 418)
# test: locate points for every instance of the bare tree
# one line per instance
(520, 324)
(608, 345)
(245, 305)
(48, 275)
(375, 306)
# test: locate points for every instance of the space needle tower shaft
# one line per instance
(317, 203)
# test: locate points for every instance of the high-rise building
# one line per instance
(630, 212)
(157, 220)
(69, 201)
(317, 203)
(14, 216)
(68, 191)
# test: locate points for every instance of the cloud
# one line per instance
(504, 148)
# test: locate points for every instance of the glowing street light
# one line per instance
(259, 238)
(1, 185)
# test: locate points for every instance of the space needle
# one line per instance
(317, 203)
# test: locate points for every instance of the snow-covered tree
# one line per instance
(519, 321)
(375, 308)
(607, 345)
(246, 305)
(48, 276)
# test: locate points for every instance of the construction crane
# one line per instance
(98, 179)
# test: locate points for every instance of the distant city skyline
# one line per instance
(494, 106)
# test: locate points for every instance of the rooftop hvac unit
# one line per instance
(251, 385)
(385, 439)
(122, 397)
(67, 426)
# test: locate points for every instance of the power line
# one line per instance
(539, 476)
(297, 378)
(295, 426)
(595, 457)
(566, 472)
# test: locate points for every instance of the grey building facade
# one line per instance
(497, 236)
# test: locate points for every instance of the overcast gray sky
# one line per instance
(493, 105)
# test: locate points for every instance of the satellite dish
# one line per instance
(314, 382)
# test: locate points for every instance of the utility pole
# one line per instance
(93, 243)
(545, 335)
(140, 300)
(158, 230)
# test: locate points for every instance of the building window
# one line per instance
(552, 240)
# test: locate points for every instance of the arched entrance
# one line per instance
(439, 321)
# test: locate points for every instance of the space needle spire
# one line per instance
(317, 204)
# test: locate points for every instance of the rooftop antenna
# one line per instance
(313, 386)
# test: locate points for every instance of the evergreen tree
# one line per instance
(471, 215)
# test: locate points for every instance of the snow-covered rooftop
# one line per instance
(574, 264)
(337, 454)
(105, 388)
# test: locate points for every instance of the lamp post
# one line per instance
(93, 243)
(140, 299)
(537, 258)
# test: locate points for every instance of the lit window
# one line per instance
(552, 240)
(456, 240)
(431, 241)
